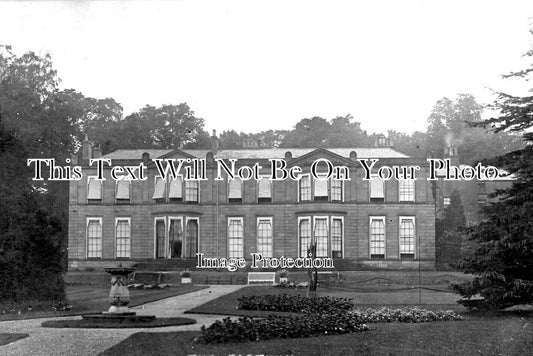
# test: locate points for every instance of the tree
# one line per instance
(30, 243)
(503, 259)
(449, 232)
(167, 126)
(455, 123)
(340, 131)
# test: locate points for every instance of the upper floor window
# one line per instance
(123, 191)
(320, 189)
(446, 201)
(94, 189)
(159, 188)
(175, 189)
(305, 188)
(337, 190)
(377, 189)
(235, 190)
(192, 191)
(94, 237)
(264, 190)
(406, 189)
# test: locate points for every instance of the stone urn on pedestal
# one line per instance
(119, 295)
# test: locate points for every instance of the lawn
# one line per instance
(477, 335)
(431, 299)
(86, 299)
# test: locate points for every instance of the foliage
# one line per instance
(456, 123)
(30, 251)
(318, 132)
(293, 303)
(255, 329)
(503, 259)
(403, 315)
(449, 232)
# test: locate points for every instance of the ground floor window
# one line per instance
(407, 237)
(94, 237)
(235, 237)
(264, 236)
(377, 237)
(327, 232)
(123, 237)
(176, 236)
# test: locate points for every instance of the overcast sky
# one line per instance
(259, 65)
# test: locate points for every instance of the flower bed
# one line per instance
(294, 303)
(403, 315)
(255, 329)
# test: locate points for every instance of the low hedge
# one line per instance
(274, 326)
(294, 303)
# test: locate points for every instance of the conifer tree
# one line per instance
(503, 260)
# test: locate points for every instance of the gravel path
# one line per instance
(80, 342)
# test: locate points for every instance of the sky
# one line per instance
(258, 65)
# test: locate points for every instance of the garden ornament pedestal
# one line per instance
(119, 298)
(119, 295)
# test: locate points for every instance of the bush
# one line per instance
(294, 303)
(403, 315)
(255, 329)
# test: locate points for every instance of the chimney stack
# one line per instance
(450, 153)
(97, 151)
(86, 149)
(214, 142)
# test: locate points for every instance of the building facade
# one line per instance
(371, 223)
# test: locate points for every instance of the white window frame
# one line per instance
(384, 219)
(241, 197)
(197, 196)
(328, 233)
(164, 197)
(370, 188)
(409, 182)
(187, 219)
(100, 182)
(341, 218)
(415, 241)
(99, 219)
(313, 189)
(241, 220)
(258, 221)
(259, 188)
(308, 218)
(180, 219)
(331, 190)
(117, 219)
(164, 219)
(181, 187)
(116, 189)
(310, 188)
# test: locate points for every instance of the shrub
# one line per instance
(294, 303)
(273, 326)
(404, 315)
